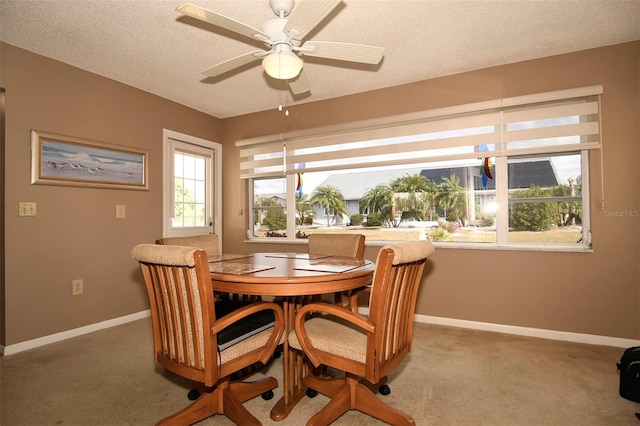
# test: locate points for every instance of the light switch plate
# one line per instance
(27, 208)
(121, 211)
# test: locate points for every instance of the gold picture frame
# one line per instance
(68, 161)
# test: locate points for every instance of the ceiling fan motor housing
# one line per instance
(275, 29)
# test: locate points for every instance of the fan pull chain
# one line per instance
(280, 107)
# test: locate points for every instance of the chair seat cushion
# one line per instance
(244, 328)
(249, 344)
(333, 335)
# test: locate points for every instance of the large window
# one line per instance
(511, 172)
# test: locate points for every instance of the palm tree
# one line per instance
(331, 200)
(450, 198)
(378, 199)
(304, 208)
(411, 184)
(429, 199)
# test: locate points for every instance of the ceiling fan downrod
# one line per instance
(282, 8)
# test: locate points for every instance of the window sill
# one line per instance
(457, 246)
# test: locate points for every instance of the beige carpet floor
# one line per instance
(452, 377)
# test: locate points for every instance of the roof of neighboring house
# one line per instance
(281, 199)
(521, 175)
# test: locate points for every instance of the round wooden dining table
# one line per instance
(290, 276)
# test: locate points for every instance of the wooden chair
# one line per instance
(366, 349)
(192, 342)
(330, 244)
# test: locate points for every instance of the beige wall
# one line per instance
(76, 235)
(596, 293)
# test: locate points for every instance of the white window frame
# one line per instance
(171, 139)
(265, 160)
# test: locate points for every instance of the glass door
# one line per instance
(192, 176)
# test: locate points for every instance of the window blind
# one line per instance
(560, 121)
(260, 158)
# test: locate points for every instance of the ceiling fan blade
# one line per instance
(343, 51)
(306, 15)
(300, 84)
(233, 63)
(221, 21)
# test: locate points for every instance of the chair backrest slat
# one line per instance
(165, 297)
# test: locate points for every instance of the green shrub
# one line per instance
(532, 216)
(439, 234)
(375, 219)
(412, 214)
(486, 220)
(275, 220)
(356, 219)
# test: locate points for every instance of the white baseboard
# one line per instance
(566, 336)
(474, 325)
(531, 332)
(41, 341)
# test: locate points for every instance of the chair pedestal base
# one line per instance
(352, 394)
(226, 399)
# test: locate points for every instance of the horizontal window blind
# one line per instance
(560, 121)
(555, 127)
(261, 159)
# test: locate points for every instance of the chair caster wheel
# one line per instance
(311, 393)
(193, 395)
(384, 390)
(267, 395)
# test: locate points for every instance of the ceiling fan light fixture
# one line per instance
(283, 65)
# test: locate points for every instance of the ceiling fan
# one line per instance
(284, 39)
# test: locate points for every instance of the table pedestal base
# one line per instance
(281, 410)
(294, 365)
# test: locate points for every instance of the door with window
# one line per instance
(192, 186)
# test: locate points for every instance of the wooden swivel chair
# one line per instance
(346, 245)
(190, 341)
(366, 349)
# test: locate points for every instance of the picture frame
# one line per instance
(69, 161)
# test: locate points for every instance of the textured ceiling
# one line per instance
(148, 45)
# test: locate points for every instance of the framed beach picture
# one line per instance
(63, 160)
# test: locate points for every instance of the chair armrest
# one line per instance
(353, 298)
(338, 311)
(327, 308)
